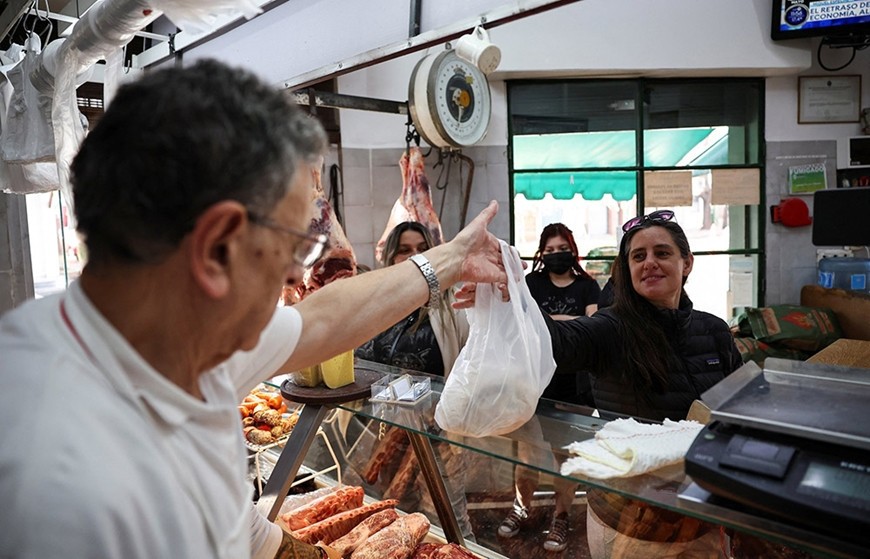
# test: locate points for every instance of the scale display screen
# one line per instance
(833, 479)
(819, 485)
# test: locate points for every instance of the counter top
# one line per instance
(554, 426)
(849, 353)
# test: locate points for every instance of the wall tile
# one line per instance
(357, 186)
(356, 157)
(358, 221)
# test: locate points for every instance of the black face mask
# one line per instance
(558, 262)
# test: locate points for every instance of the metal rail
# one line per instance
(340, 101)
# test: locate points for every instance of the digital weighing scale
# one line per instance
(792, 440)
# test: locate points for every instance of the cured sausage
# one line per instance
(340, 500)
(396, 541)
(349, 542)
(394, 442)
(415, 201)
(334, 527)
(404, 476)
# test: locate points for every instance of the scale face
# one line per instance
(449, 100)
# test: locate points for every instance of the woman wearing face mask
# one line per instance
(564, 291)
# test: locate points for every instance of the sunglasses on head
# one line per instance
(635, 222)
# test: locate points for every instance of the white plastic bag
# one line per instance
(506, 363)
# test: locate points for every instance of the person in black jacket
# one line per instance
(650, 355)
(564, 291)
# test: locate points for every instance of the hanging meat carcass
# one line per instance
(338, 261)
(415, 202)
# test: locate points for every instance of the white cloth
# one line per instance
(28, 135)
(20, 178)
(103, 457)
(625, 447)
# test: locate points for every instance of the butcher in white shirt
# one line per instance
(118, 398)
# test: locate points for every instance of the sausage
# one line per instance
(340, 500)
(334, 527)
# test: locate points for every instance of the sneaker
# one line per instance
(557, 538)
(511, 525)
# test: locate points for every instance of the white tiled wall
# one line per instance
(373, 183)
(791, 256)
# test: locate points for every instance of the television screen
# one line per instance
(793, 19)
(840, 217)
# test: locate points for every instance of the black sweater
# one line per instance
(702, 342)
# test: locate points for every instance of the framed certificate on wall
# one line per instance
(825, 99)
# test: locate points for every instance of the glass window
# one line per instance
(55, 251)
(582, 150)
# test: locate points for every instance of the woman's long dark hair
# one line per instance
(391, 244)
(644, 343)
(391, 249)
(558, 230)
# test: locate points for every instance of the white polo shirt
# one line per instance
(101, 456)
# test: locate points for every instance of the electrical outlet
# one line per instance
(833, 253)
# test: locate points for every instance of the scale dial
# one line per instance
(449, 100)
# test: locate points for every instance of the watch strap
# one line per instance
(431, 279)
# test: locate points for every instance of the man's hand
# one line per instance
(291, 548)
(482, 254)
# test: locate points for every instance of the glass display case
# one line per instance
(466, 485)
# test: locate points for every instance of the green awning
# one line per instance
(622, 185)
(662, 148)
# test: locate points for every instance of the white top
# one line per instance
(101, 456)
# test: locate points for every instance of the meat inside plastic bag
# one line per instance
(505, 365)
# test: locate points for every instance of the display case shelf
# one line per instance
(477, 474)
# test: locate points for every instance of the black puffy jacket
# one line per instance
(702, 342)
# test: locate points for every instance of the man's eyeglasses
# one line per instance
(310, 248)
(660, 215)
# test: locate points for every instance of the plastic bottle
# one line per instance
(852, 274)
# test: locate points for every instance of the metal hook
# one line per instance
(445, 170)
(127, 66)
(411, 134)
(29, 22)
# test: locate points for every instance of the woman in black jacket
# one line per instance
(651, 355)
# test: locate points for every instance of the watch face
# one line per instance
(450, 104)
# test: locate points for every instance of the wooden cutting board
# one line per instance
(321, 394)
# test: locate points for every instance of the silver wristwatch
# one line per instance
(431, 279)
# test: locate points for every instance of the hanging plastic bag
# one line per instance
(506, 363)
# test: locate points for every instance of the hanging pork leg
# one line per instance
(415, 201)
(339, 260)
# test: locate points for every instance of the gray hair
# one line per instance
(174, 143)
